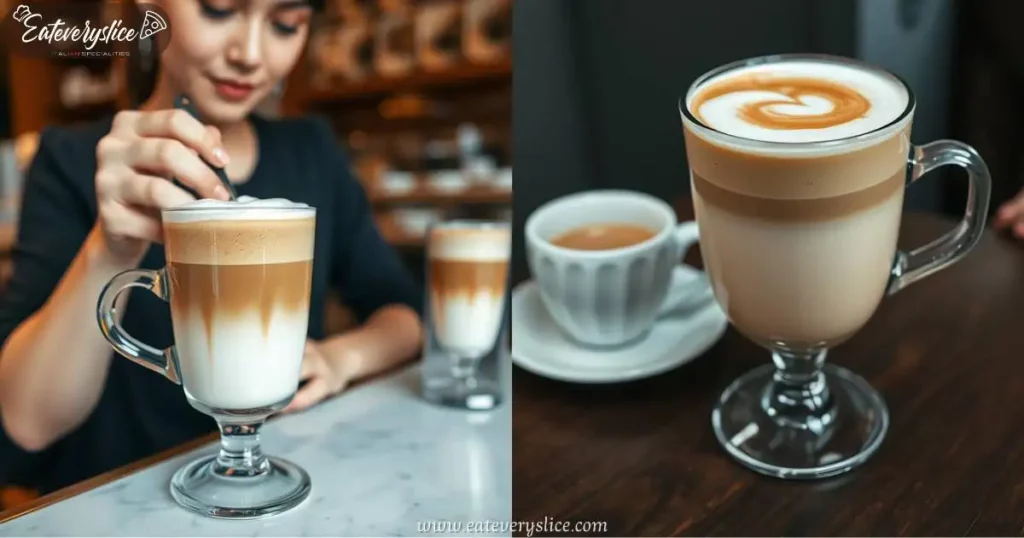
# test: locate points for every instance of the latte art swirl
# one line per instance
(798, 102)
(792, 106)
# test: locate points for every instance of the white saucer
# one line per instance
(540, 346)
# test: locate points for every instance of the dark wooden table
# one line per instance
(947, 354)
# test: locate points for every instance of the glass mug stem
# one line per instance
(240, 452)
(162, 362)
(463, 367)
(798, 395)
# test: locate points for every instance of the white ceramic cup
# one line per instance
(608, 297)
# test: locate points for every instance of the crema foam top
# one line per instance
(798, 101)
(245, 208)
(471, 244)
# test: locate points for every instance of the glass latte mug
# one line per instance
(467, 293)
(238, 279)
(798, 166)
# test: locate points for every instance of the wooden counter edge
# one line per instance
(105, 478)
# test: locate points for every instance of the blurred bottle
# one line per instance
(476, 165)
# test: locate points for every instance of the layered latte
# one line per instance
(468, 266)
(239, 276)
(798, 171)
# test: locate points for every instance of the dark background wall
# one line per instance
(551, 148)
(597, 82)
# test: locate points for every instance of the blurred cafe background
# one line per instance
(419, 94)
(596, 104)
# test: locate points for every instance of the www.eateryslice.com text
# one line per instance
(546, 526)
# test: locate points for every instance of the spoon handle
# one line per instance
(182, 102)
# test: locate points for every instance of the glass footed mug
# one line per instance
(466, 300)
(799, 270)
(238, 282)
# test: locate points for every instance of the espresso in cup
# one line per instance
(239, 284)
(604, 261)
(604, 236)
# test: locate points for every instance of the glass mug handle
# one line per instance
(160, 361)
(909, 267)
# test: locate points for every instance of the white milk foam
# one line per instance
(470, 324)
(255, 208)
(888, 98)
(247, 368)
(471, 245)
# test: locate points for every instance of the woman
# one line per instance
(91, 203)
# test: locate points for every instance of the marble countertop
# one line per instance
(383, 462)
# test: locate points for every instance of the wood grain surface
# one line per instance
(947, 354)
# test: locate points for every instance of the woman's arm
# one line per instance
(54, 364)
(54, 360)
(391, 336)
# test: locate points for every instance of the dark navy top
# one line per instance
(140, 412)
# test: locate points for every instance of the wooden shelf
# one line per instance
(399, 240)
(461, 75)
(425, 195)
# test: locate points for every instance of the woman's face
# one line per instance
(228, 55)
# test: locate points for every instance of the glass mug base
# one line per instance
(199, 488)
(758, 441)
(474, 394)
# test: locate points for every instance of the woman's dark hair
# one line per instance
(144, 64)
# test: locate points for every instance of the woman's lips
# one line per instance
(231, 90)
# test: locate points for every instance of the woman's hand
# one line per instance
(324, 378)
(135, 162)
(390, 337)
(1011, 216)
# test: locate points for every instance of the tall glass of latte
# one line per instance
(467, 292)
(798, 166)
(238, 279)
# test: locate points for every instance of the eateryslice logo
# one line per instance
(88, 35)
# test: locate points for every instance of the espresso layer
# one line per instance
(797, 177)
(467, 303)
(228, 292)
(796, 210)
(451, 277)
(240, 242)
